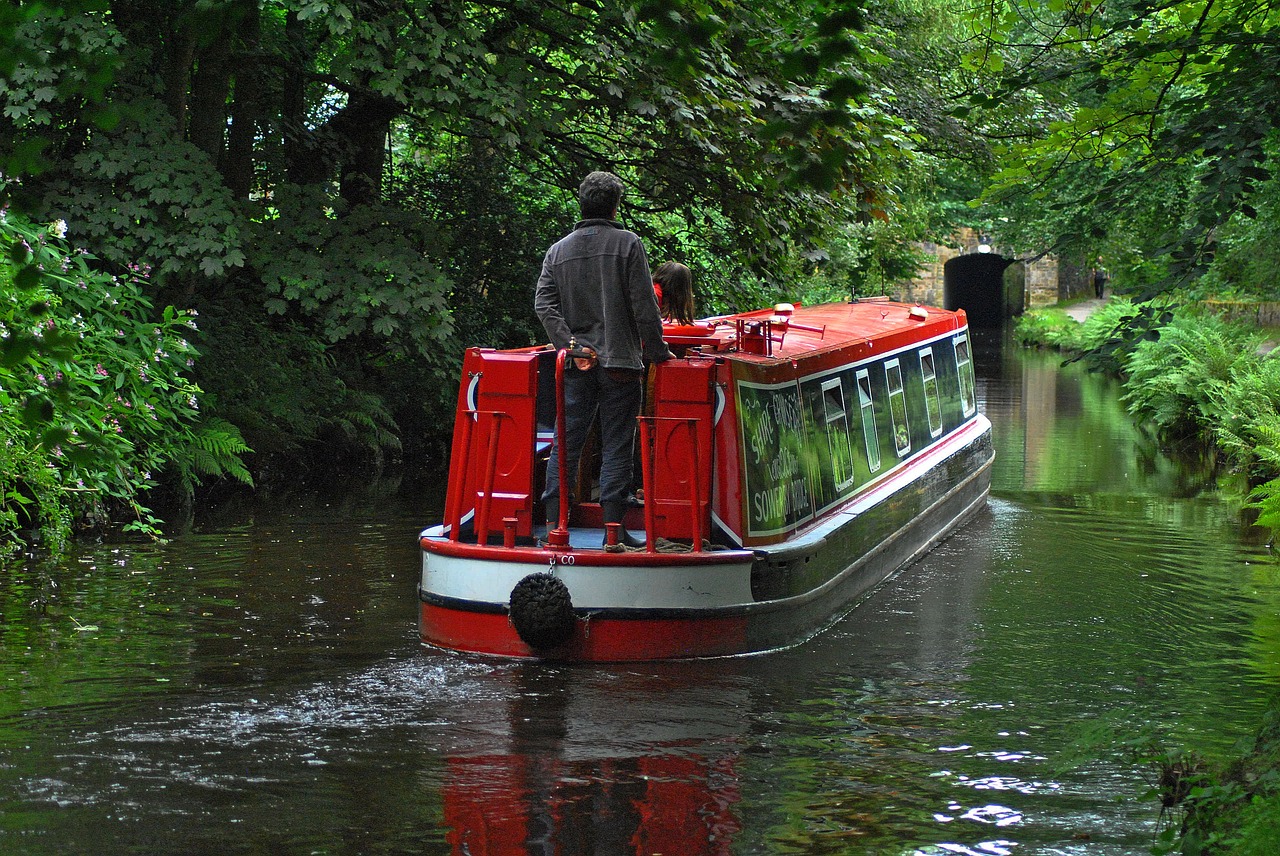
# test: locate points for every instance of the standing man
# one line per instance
(1100, 279)
(596, 292)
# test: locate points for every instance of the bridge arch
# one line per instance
(977, 283)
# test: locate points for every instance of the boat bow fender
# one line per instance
(542, 611)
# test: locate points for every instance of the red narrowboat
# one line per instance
(790, 459)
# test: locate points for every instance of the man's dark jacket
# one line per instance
(596, 287)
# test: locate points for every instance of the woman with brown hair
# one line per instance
(673, 286)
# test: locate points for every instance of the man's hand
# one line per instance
(587, 363)
(664, 356)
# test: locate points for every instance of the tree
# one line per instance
(286, 165)
(1124, 110)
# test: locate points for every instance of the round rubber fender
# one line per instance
(542, 611)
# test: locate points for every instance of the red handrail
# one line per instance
(646, 479)
(486, 503)
(453, 514)
(647, 439)
(453, 511)
(559, 537)
(695, 487)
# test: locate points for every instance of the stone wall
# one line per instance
(1045, 280)
(927, 287)
(1041, 282)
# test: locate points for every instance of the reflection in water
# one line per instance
(582, 775)
(258, 687)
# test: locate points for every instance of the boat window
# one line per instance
(932, 404)
(898, 408)
(868, 420)
(964, 368)
(838, 433)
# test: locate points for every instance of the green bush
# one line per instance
(1048, 328)
(284, 387)
(1259, 828)
(96, 401)
(1183, 381)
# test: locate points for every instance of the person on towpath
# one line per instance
(595, 293)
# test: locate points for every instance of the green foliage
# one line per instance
(352, 272)
(137, 195)
(1196, 378)
(1231, 809)
(864, 260)
(1266, 498)
(1142, 128)
(1186, 381)
(383, 177)
(96, 402)
(1207, 808)
(1051, 327)
(51, 55)
(1099, 337)
(284, 389)
(1259, 827)
(1248, 253)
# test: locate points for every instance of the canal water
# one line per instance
(257, 686)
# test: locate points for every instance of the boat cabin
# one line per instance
(765, 423)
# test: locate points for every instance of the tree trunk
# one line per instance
(303, 161)
(363, 126)
(237, 164)
(179, 52)
(210, 85)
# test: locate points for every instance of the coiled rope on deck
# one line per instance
(664, 545)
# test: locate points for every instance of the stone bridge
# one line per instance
(993, 283)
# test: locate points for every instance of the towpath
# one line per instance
(1082, 310)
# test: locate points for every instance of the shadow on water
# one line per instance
(257, 686)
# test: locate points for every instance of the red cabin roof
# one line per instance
(808, 331)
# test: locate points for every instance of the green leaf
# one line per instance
(37, 411)
(28, 277)
(19, 252)
(15, 348)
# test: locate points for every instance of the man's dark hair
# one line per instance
(599, 195)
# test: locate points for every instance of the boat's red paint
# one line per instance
(596, 639)
(545, 556)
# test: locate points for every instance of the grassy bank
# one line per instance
(1212, 384)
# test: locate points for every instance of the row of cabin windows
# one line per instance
(837, 423)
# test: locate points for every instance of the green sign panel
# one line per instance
(776, 478)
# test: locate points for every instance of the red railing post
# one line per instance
(458, 481)
(695, 487)
(646, 478)
(559, 537)
(491, 465)
(648, 437)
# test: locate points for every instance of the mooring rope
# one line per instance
(663, 545)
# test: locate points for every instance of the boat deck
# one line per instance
(585, 538)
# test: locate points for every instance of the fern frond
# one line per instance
(215, 450)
